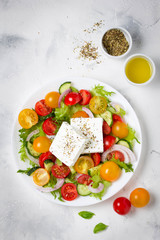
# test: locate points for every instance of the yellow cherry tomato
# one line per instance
(120, 129)
(80, 114)
(27, 118)
(110, 171)
(98, 104)
(41, 144)
(41, 177)
(51, 99)
(83, 164)
(139, 197)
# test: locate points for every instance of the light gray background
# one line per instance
(37, 39)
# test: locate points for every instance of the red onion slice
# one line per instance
(78, 175)
(96, 190)
(31, 134)
(59, 184)
(62, 95)
(90, 114)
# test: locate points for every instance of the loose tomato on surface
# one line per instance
(80, 114)
(108, 142)
(51, 99)
(116, 155)
(98, 104)
(42, 109)
(69, 191)
(83, 164)
(86, 97)
(60, 171)
(110, 171)
(72, 98)
(49, 126)
(41, 144)
(139, 197)
(45, 156)
(41, 177)
(27, 118)
(121, 205)
(120, 129)
(96, 158)
(84, 179)
(106, 128)
(117, 118)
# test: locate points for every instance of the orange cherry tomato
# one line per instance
(51, 99)
(41, 144)
(120, 129)
(83, 164)
(27, 118)
(80, 114)
(110, 171)
(139, 197)
(41, 177)
(98, 104)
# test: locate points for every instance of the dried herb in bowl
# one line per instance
(115, 42)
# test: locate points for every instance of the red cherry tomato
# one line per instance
(69, 191)
(106, 128)
(84, 179)
(121, 205)
(60, 171)
(96, 158)
(49, 126)
(72, 98)
(44, 156)
(42, 109)
(86, 97)
(117, 118)
(117, 155)
(108, 142)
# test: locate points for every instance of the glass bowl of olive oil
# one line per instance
(139, 69)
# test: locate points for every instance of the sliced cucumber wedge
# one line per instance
(32, 170)
(83, 190)
(94, 170)
(48, 165)
(31, 151)
(125, 143)
(64, 86)
(107, 116)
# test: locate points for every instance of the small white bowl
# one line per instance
(128, 38)
(151, 63)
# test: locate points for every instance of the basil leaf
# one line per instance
(100, 227)
(86, 214)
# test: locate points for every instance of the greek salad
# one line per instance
(77, 142)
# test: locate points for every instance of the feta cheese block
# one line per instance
(91, 129)
(67, 144)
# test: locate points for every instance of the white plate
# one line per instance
(131, 118)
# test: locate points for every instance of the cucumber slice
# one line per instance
(64, 86)
(83, 190)
(32, 170)
(31, 151)
(94, 170)
(117, 139)
(72, 170)
(48, 165)
(107, 116)
(125, 143)
(111, 109)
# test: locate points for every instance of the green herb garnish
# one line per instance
(86, 214)
(100, 227)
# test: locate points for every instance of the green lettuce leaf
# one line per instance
(128, 167)
(131, 136)
(102, 193)
(99, 90)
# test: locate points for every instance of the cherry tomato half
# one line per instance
(117, 118)
(98, 104)
(86, 97)
(116, 155)
(42, 109)
(41, 144)
(72, 98)
(108, 142)
(83, 164)
(69, 191)
(45, 156)
(121, 205)
(106, 128)
(41, 177)
(139, 197)
(120, 129)
(80, 114)
(110, 171)
(51, 99)
(84, 179)
(60, 171)
(49, 126)
(27, 118)
(96, 158)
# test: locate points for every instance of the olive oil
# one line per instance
(138, 70)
